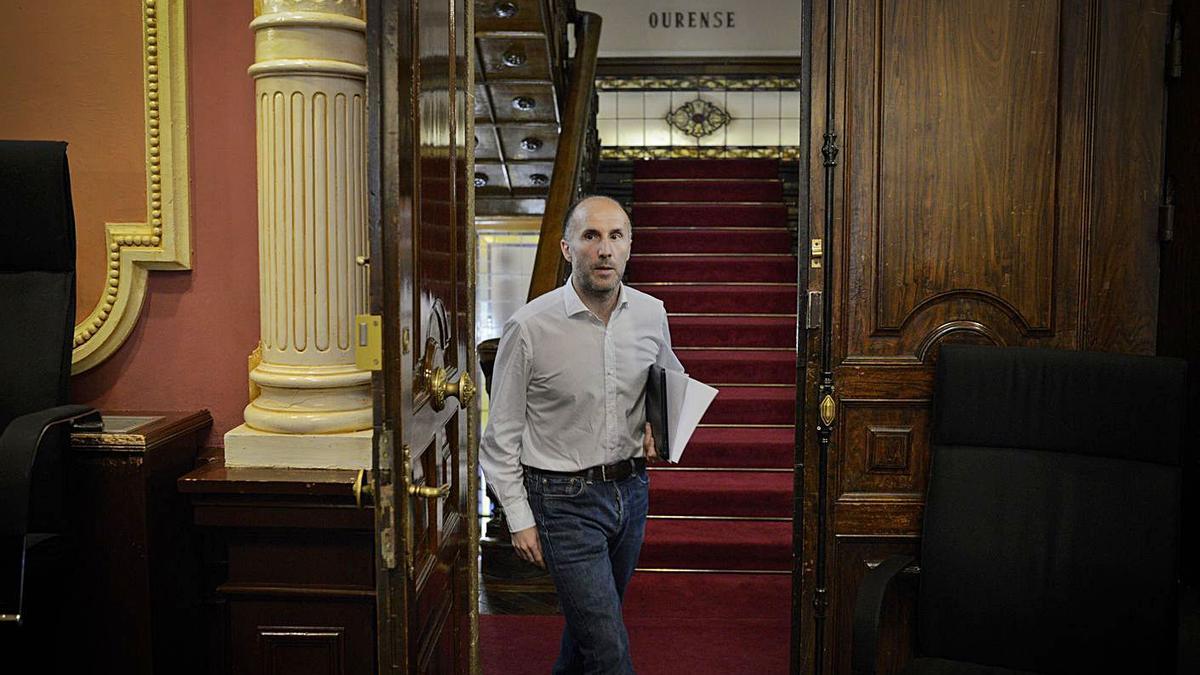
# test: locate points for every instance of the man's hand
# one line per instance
(648, 445)
(528, 546)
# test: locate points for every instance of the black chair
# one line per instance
(1051, 532)
(37, 316)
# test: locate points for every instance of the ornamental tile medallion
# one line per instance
(698, 118)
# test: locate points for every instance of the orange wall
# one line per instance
(189, 348)
(94, 89)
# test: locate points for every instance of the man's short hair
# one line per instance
(567, 221)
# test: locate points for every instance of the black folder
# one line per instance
(656, 409)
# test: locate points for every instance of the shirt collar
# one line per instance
(573, 304)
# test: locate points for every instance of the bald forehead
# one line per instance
(598, 209)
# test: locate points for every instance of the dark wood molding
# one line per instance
(674, 66)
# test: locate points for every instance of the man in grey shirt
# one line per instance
(566, 444)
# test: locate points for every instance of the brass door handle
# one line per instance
(439, 388)
(429, 492)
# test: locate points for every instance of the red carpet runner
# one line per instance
(713, 594)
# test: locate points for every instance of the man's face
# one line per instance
(598, 245)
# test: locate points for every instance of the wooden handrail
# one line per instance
(578, 121)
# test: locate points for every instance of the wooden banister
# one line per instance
(570, 168)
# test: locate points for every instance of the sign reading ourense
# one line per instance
(698, 28)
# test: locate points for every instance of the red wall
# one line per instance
(189, 348)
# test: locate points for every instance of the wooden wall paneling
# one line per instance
(974, 198)
(855, 555)
(1122, 281)
(1179, 291)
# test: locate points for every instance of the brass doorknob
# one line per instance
(439, 387)
(429, 492)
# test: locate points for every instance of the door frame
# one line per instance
(390, 134)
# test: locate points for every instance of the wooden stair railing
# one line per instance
(577, 158)
(575, 165)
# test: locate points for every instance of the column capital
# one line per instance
(350, 8)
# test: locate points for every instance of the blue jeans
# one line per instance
(591, 534)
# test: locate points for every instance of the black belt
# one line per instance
(606, 472)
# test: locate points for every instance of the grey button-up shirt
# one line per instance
(568, 391)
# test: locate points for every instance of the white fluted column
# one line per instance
(314, 409)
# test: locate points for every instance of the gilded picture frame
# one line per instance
(163, 241)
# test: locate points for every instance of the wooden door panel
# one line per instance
(885, 448)
(856, 555)
(427, 303)
(995, 175)
(952, 163)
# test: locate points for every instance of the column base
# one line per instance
(245, 446)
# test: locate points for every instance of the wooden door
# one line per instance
(423, 289)
(993, 170)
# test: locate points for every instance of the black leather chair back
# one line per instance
(1051, 531)
(37, 277)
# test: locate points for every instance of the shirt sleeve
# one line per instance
(500, 446)
(666, 355)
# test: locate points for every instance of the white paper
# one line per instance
(687, 401)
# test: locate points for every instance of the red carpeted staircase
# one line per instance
(713, 594)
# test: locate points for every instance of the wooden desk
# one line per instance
(137, 576)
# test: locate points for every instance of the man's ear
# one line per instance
(566, 249)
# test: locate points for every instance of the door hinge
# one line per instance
(1175, 52)
(1166, 212)
(368, 344)
(814, 311)
(386, 499)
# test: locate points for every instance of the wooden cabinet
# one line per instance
(289, 570)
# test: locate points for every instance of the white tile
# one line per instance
(740, 133)
(678, 98)
(608, 131)
(766, 132)
(789, 131)
(680, 138)
(715, 138)
(766, 104)
(629, 105)
(789, 104)
(716, 98)
(658, 132)
(631, 132)
(740, 104)
(658, 104)
(608, 106)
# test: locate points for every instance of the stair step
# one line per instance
(699, 544)
(667, 214)
(718, 298)
(746, 447)
(707, 168)
(731, 366)
(711, 240)
(733, 331)
(752, 405)
(685, 595)
(707, 190)
(765, 494)
(707, 268)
